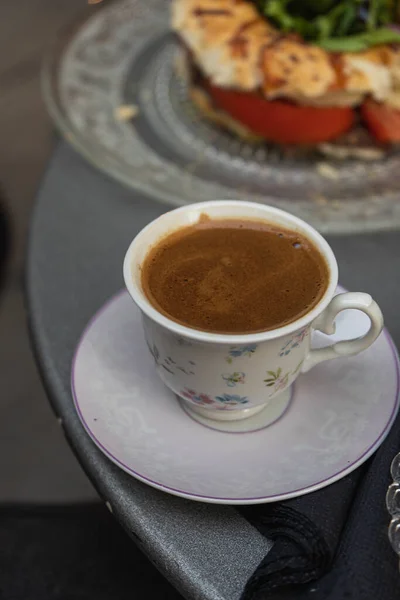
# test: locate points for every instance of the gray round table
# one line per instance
(81, 227)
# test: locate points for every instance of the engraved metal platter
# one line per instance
(114, 90)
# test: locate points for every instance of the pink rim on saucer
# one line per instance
(340, 413)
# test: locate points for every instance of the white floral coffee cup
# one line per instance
(232, 377)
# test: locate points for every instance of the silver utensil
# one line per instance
(393, 505)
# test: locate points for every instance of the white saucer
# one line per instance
(339, 414)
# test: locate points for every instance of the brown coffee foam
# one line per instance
(234, 276)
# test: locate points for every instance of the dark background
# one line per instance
(35, 462)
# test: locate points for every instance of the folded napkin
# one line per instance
(331, 544)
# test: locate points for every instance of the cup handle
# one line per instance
(326, 323)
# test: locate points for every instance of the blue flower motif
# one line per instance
(236, 351)
(293, 342)
(287, 348)
(232, 399)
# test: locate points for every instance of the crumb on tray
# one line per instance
(327, 171)
(125, 112)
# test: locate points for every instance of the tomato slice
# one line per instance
(280, 121)
(382, 120)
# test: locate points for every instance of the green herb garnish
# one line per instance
(337, 26)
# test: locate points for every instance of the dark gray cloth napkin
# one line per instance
(331, 544)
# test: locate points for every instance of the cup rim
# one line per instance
(147, 308)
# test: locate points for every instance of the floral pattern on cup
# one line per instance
(232, 379)
(276, 379)
(297, 369)
(224, 401)
(232, 400)
(236, 351)
(294, 342)
(169, 364)
(202, 399)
